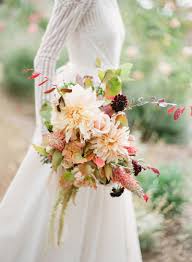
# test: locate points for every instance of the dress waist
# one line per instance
(69, 71)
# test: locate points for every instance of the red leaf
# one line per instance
(171, 110)
(146, 197)
(49, 90)
(45, 81)
(178, 113)
(154, 170)
(161, 100)
(99, 162)
(34, 75)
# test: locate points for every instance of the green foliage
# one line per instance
(158, 45)
(125, 71)
(68, 176)
(167, 190)
(43, 23)
(15, 82)
(114, 86)
(155, 123)
(56, 160)
(21, 10)
(46, 111)
(40, 150)
(147, 242)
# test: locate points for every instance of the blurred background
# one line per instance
(159, 44)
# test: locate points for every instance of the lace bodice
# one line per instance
(89, 28)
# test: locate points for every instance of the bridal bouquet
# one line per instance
(88, 141)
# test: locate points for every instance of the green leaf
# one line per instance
(113, 87)
(49, 126)
(125, 71)
(118, 72)
(101, 75)
(56, 160)
(68, 176)
(98, 62)
(109, 74)
(100, 91)
(45, 111)
(40, 150)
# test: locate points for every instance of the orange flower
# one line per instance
(72, 153)
(56, 140)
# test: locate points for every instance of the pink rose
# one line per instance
(102, 124)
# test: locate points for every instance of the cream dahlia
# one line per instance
(79, 113)
(111, 146)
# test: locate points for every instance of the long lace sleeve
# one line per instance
(65, 18)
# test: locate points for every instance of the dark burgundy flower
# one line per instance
(117, 192)
(119, 103)
(136, 167)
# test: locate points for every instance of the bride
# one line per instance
(98, 228)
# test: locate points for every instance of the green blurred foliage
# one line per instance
(18, 10)
(154, 43)
(166, 191)
(16, 82)
(147, 241)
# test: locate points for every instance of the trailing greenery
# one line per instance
(167, 190)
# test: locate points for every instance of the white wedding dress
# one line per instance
(98, 228)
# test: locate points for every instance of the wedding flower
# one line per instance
(119, 103)
(126, 180)
(107, 109)
(131, 150)
(55, 140)
(72, 153)
(111, 146)
(101, 124)
(136, 167)
(79, 113)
